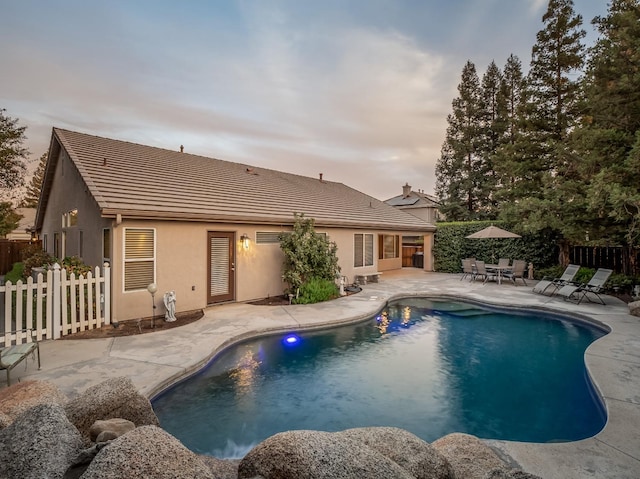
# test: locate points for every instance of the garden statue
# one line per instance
(170, 305)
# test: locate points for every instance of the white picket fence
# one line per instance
(56, 304)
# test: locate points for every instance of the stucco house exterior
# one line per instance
(202, 227)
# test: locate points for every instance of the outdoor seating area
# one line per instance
(504, 269)
(566, 287)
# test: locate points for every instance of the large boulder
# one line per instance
(510, 474)
(39, 443)
(24, 395)
(405, 449)
(147, 451)
(108, 429)
(113, 398)
(634, 308)
(316, 455)
(469, 456)
(221, 468)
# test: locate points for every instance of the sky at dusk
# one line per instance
(358, 90)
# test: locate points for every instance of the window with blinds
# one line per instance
(267, 237)
(139, 258)
(363, 250)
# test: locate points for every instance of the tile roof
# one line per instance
(140, 181)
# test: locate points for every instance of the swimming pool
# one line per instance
(426, 365)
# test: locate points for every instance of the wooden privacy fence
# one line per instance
(56, 304)
(10, 252)
(611, 257)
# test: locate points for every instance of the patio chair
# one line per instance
(467, 269)
(517, 271)
(481, 270)
(503, 262)
(595, 286)
(11, 356)
(557, 283)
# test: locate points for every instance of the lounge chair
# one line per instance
(556, 283)
(517, 271)
(595, 286)
(467, 269)
(11, 356)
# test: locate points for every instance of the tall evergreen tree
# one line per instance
(35, 185)
(608, 139)
(12, 153)
(491, 136)
(510, 103)
(550, 111)
(459, 169)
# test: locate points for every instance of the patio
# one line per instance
(613, 361)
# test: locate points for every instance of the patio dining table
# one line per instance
(494, 268)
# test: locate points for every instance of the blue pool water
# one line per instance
(431, 367)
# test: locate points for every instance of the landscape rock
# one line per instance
(81, 463)
(634, 308)
(148, 452)
(110, 429)
(221, 468)
(4, 420)
(113, 398)
(316, 455)
(405, 449)
(469, 456)
(39, 443)
(19, 397)
(510, 474)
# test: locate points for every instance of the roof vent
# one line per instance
(104, 162)
(320, 177)
(250, 171)
(181, 148)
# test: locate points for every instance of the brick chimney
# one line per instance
(406, 190)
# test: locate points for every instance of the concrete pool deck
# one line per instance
(156, 360)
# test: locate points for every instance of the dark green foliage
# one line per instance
(9, 219)
(307, 255)
(12, 153)
(34, 257)
(317, 290)
(16, 273)
(73, 264)
(451, 246)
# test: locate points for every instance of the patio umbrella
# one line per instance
(492, 232)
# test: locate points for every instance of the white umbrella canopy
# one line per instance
(493, 232)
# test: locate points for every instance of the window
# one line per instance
(363, 250)
(267, 237)
(56, 245)
(106, 245)
(388, 246)
(139, 258)
(70, 218)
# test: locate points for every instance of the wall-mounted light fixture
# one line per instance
(244, 239)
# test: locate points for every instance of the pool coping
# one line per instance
(158, 360)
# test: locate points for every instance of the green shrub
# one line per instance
(34, 257)
(551, 272)
(307, 255)
(16, 273)
(316, 290)
(451, 245)
(584, 275)
(73, 264)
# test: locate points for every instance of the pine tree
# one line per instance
(551, 109)
(12, 153)
(459, 168)
(34, 187)
(608, 140)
